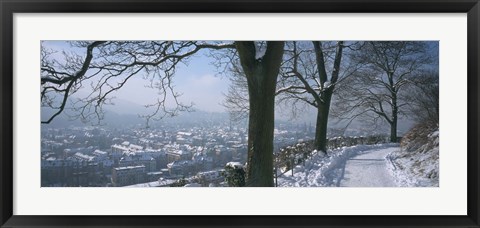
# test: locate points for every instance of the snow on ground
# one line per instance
(160, 183)
(368, 169)
(356, 166)
(417, 163)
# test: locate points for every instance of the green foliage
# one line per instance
(234, 175)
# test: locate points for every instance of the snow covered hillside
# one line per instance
(416, 164)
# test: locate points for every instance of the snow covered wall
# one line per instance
(417, 163)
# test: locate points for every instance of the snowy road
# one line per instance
(368, 169)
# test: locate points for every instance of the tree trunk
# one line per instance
(323, 110)
(323, 102)
(393, 128)
(393, 123)
(260, 138)
(261, 76)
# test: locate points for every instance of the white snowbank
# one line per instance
(417, 163)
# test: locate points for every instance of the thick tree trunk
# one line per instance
(323, 110)
(393, 132)
(260, 138)
(262, 76)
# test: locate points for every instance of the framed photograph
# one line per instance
(254, 114)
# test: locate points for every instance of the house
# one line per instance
(129, 175)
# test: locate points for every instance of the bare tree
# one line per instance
(236, 99)
(261, 70)
(309, 75)
(378, 91)
(423, 97)
(108, 65)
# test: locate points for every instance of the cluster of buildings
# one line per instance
(94, 156)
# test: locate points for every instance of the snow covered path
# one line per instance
(368, 169)
(356, 166)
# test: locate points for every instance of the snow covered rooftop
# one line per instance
(99, 152)
(83, 156)
(129, 167)
(148, 184)
(193, 185)
(235, 165)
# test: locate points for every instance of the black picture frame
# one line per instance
(10, 7)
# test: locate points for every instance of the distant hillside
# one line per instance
(417, 163)
(126, 114)
(112, 119)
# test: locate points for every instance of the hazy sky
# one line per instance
(197, 82)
